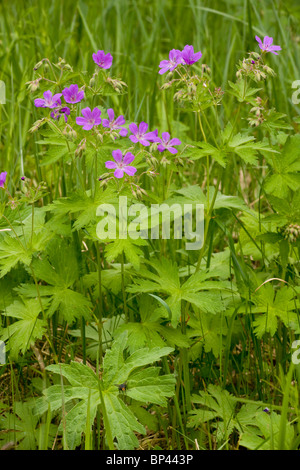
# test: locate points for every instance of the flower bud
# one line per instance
(38, 65)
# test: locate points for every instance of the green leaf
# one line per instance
(243, 91)
(167, 281)
(28, 327)
(148, 386)
(19, 427)
(131, 249)
(286, 175)
(220, 408)
(84, 206)
(265, 433)
(204, 149)
(83, 392)
(12, 252)
(58, 148)
(58, 267)
(273, 305)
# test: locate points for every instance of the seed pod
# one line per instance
(38, 65)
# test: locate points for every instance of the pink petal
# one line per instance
(120, 121)
(81, 121)
(110, 165)
(268, 41)
(129, 157)
(39, 103)
(172, 150)
(133, 139)
(133, 128)
(105, 122)
(96, 113)
(87, 113)
(117, 154)
(161, 148)
(258, 40)
(119, 173)
(111, 114)
(165, 136)
(175, 141)
(143, 128)
(123, 132)
(130, 170)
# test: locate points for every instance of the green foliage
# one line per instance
(27, 328)
(286, 167)
(21, 429)
(220, 407)
(143, 385)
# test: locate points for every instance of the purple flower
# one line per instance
(267, 45)
(72, 94)
(189, 56)
(49, 101)
(3, 178)
(89, 119)
(121, 164)
(266, 410)
(115, 124)
(103, 60)
(57, 113)
(141, 135)
(171, 64)
(167, 144)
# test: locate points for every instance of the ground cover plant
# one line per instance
(119, 331)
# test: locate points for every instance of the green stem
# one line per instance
(109, 436)
(123, 288)
(100, 318)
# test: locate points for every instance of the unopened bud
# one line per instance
(38, 65)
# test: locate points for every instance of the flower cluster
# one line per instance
(196, 90)
(254, 67)
(71, 95)
(176, 57)
(140, 135)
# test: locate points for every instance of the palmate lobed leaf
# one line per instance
(220, 408)
(27, 328)
(286, 167)
(130, 248)
(265, 434)
(19, 427)
(84, 390)
(123, 422)
(57, 148)
(273, 306)
(195, 195)
(12, 252)
(147, 386)
(167, 281)
(84, 206)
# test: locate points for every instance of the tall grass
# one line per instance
(138, 34)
